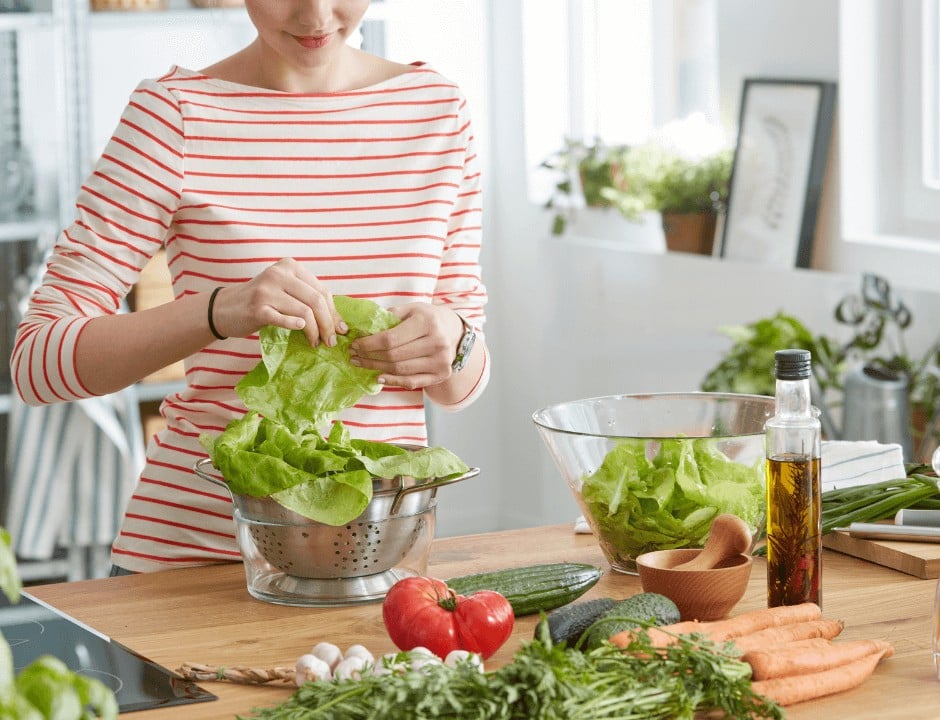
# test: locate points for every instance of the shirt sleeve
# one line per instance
(124, 211)
(460, 285)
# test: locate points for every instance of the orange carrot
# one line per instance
(799, 688)
(756, 620)
(817, 642)
(802, 659)
(720, 630)
(776, 636)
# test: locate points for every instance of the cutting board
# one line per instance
(914, 558)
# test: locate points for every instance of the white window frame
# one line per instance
(889, 123)
(683, 31)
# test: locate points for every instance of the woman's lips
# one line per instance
(313, 41)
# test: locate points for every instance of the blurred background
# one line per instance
(587, 297)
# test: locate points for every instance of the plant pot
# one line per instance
(690, 232)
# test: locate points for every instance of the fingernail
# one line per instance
(343, 327)
(355, 361)
(380, 380)
(331, 341)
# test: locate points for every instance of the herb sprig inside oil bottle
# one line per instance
(794, 522)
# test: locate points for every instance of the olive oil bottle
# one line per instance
(794, 512)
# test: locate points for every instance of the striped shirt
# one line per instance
(377, 190)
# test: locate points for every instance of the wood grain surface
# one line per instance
(205, 615)
(919, 559)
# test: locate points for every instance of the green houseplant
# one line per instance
(688, 189)
(682, 171)
(591, 170)
(877, 320)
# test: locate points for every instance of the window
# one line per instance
(614, 70)
(890, 121)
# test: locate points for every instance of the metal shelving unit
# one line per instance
(26, 234)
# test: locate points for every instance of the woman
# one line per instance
(296, 169)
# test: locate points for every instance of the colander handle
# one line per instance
(433, 484)
(200, 469)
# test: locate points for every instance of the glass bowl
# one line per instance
(650, 472)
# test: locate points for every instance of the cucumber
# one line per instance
(627, 614)
(534, 588)
(567, 624)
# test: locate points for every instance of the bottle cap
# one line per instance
(792, 364)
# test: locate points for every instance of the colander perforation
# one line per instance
(353, 550)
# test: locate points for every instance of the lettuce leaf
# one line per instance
(303, 387)
(638, 505)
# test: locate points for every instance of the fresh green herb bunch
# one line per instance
(548, 682)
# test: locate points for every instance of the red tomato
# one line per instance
(424, 612)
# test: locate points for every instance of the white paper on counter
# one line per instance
(847, 463)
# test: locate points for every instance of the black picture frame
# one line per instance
(784, 133)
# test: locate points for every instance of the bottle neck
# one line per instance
(793, 398)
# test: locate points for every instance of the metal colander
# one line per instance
(401, 511)
(356, 549)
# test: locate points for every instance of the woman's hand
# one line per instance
(416, 353)
(286, 295)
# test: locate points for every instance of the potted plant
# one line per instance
(683, 172)
(878, 320)
(586, 172)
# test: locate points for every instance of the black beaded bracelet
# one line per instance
(212, 324)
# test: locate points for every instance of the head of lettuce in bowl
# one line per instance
(650, 472)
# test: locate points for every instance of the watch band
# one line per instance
(464, 346)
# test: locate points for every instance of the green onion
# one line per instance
(878, 501)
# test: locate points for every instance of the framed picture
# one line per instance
(777, 174)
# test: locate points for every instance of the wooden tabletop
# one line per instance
(205, 615)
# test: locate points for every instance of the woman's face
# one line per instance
(306, 34)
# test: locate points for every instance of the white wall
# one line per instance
(800, 38)
(570, 319)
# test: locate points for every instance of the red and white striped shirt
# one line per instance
(377, 190)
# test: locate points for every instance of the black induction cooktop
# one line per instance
(33, 628)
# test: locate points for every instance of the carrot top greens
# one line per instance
(548, 681)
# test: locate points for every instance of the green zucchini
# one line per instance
(567, 624)
(534, 588)
(644, 607)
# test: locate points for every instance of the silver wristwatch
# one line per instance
(464, 346)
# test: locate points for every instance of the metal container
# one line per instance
(876, 407)
(291, 559)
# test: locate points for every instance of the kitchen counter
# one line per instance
(205, 615)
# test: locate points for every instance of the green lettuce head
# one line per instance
(293, 395)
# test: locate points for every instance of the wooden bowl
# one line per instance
(699, 594)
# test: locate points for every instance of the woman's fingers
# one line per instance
(417, 352)
(286, 295)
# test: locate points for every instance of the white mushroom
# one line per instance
(455, 657)
(359, 651)
(421, 660)
(350, 668)
(310, 668)
(329, 653)
(388, 664)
